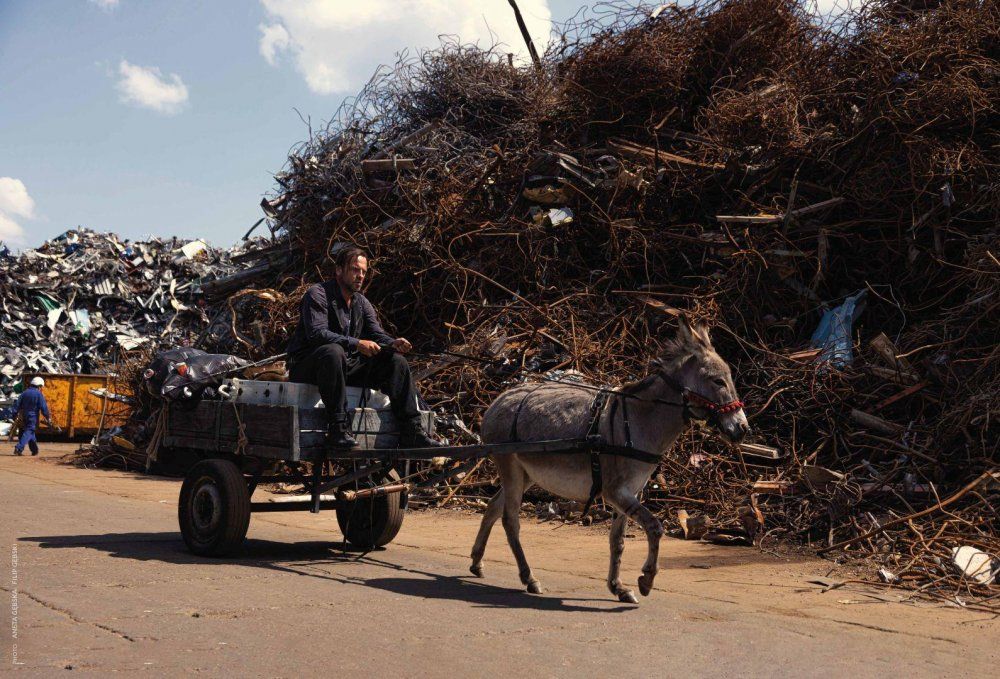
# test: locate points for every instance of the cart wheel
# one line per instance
(372, 522)
(214, 508)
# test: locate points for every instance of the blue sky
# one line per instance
(168, 117)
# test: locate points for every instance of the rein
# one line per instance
(688, 396)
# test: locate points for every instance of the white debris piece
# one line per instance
(192, 249)
(975, 564)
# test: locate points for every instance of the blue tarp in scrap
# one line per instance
(834, 334)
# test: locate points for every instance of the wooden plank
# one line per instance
(181, 440)
(640, 152)
(199, 421)
(293, 434)
(683, 136)
(274, 432)
(214, 426)
(780, 218)
(750, 219)
(387, 165)
(314, 418)
(72, 402)
(267, 424)
(909, 391)
(884, 347)
(660, 306)
(877, 423)
(757, 450)
(897, 376)
(783, 487)
(411, 138)
(804, 355)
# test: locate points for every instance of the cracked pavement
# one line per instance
(104, 583)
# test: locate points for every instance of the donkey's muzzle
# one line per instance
(735, 429)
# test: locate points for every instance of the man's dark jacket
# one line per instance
(322, 319)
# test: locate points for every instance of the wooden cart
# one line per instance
(245, 445)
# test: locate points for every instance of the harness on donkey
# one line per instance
(598, 446)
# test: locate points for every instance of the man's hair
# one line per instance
(348, 255)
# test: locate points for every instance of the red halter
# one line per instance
(699, 400)
(708, 404)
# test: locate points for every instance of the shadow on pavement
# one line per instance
(307, 558)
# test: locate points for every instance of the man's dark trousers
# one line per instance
(333, 369)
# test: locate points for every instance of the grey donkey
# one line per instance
(687, 371)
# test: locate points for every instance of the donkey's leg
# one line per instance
(515, 480)
(493, 511)
(627, 503)
(617, 540)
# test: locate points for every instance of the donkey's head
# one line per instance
(689, 362)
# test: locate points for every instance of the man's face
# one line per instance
(352, 276)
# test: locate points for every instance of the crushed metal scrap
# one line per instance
(85, 299)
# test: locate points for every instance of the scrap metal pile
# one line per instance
(84, 299)
(826, 195)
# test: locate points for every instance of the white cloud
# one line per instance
(14, 202)
(338, 44)
(105, 4)
(146, 87)
(10, 231)
(14, 198)
(273, 39)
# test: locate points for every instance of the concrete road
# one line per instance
(98, 581)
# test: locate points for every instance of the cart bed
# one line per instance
(287, 433)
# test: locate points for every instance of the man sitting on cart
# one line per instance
(339, 342)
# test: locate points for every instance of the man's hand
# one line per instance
(368, 348)
(402, 345)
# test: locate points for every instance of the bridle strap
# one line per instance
(689, 396)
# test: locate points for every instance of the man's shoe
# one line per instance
(18, 452)
(339, 436)
(414, 436)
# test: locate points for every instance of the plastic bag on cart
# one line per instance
(187, 374)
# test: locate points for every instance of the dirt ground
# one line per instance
(98, 580)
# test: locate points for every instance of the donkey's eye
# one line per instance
(719, 382)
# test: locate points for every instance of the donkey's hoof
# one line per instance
(627, 596)
(645, 585)
(535, 587)
(476, 569)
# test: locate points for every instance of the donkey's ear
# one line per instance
(700, 331)
(692, 334)
(684, 331)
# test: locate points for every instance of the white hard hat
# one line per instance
(37, 382)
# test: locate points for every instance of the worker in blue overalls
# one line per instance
(29, 405)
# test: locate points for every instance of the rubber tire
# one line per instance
(373, 522)
(233, 506)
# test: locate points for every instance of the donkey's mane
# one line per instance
(674, 353)
(674, 349)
